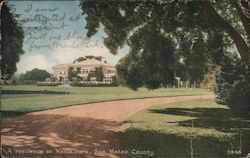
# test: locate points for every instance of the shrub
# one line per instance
(48, 83)
(233, 85)
(78, 84)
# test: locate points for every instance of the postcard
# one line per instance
(125, 78)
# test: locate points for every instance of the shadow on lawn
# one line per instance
(171, 145)
(61, 135)
(11, 113)
(218, 118)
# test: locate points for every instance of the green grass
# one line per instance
(167, 130)
(79, 95)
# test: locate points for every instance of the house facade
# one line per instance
(84, 67)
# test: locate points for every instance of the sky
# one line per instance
(55, 34)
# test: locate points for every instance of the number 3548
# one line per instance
(233, 152)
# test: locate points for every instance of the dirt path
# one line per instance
(76, 131)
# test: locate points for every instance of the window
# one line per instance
(85, 71)
(108, 80)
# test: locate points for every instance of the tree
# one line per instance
(209, 80)
(233, 84)
(11, 43)
(243, 9)
(34, 75)
(72, 74)
(184, 24)
(99, 73)
(150, 61)
(120, 18)
(197, 62)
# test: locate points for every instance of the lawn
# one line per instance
(198, 128)
(79, 95)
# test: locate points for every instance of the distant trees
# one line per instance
(34, 75)
(11, 43)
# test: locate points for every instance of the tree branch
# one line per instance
(214, 17)
(241, 6)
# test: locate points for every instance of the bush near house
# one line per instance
(97, 74)
(72, 74)
(79, 84)
(48, 83)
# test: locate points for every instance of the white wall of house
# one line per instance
(60, 72)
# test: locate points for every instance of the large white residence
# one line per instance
(84, 67)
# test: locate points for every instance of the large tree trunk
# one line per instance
(243, 8)
(241, 44)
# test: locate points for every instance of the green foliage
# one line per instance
(117, 26)
(72, 74)
(11, 43)
(197, 60)
(150, 61)
(34, 75)
(53, 84)
(98, 74)
(200, 43)
(78, 84)
(233, 83)
(115, 81)
(184, 21)
(179, 65)
(215, 46)
(209, 80)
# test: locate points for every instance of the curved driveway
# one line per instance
(90, 130)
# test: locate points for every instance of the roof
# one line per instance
(91, 62)
(88, 62)
(61, 66)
